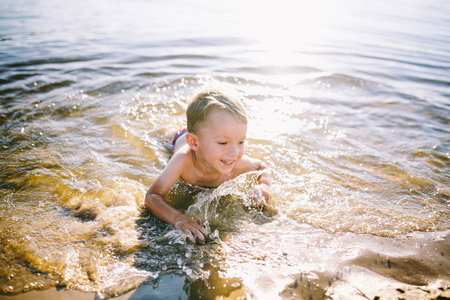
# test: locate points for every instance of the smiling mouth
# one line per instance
(228, 162)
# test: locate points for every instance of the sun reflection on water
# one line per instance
(284, 29)
(357, 154)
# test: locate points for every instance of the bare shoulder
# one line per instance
(248, 164)
(253, 164)
(178, 164)
(181, 160)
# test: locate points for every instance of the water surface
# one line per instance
(348, 104)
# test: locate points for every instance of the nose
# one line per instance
(233, 150)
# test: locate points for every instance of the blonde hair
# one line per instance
(206, 101)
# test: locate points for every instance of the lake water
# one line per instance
(348, 103)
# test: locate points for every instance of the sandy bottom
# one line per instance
(170, 286)
(416, 268)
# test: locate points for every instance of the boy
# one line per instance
(211, 152)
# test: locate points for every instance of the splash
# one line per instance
(230, 204)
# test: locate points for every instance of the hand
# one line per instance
(261, 194)
(191, 227)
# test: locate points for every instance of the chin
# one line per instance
(225, 169)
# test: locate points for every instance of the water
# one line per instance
(348, 104)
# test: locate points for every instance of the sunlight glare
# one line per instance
(284, 27)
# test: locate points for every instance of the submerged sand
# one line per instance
(417, 267)
(383, 272)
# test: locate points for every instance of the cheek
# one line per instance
(241, 151)
(216, 151)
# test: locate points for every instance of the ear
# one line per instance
(192, 141)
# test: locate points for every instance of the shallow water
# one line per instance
(348, 104)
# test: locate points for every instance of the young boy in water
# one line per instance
(211, 152)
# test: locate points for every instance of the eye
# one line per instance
(241, 142)
(222, 143)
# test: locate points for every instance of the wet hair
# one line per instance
(209, 99)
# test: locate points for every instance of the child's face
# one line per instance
(221, 141)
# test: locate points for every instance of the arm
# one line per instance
(266, 177)
(158, 206)
(156, 203)
(263, 190)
